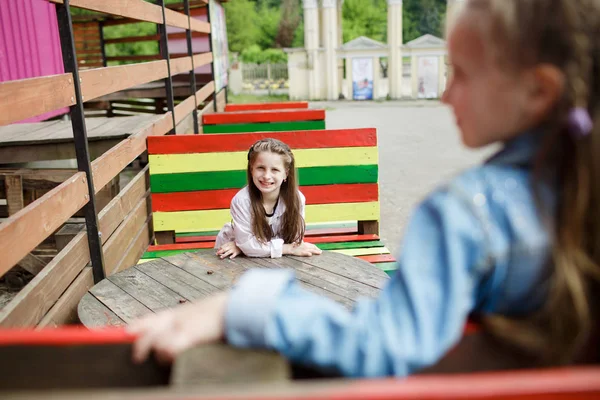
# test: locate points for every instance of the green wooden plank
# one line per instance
(265, 127)
(185, 182)
(387, 267)
(164, 253)
(207, 233)
(350, 245)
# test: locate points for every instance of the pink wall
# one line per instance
(199, 44)
(29, 43)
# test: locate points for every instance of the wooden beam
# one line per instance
(123, 236)
(136, 248)
(21, 233)
(111, 163)
(52, 151)
(32, 264)
(135, 9)
(184, 108)
(65, 309)
(102, 81)
(13, 188)
(27, 98)
(205, 92)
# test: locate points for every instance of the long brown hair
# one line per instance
(292, 225)
(565, 34)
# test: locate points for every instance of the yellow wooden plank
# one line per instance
(141, 261)
(208, 220)
(363, 252)
(234, 161)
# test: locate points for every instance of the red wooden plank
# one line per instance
(208, 242)
(192, 239)
(309, 234)
(245, 117)
(266, 106)
(212, 143)
(66, 336)
(182, 246)
(342, 238)
(221, 199)
(378, 258)
(330, 231)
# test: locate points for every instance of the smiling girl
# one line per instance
(267, 214)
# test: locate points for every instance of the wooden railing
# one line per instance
(124, 225)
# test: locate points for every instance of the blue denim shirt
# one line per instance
(475, 245)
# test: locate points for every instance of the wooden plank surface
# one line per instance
(216, 180)
(246, 117)
(169, 281)
(136, 247)
(34, 96)
(266, 127)
(54, 132)
(267, 106)
(21, 233)
(221, 199)
(118, 301)
(235, 161)
(365, 137)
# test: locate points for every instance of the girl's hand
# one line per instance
(229, 249)
(302, 250)
(172, 331)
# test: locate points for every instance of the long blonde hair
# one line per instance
(565, 34)
(292, 225)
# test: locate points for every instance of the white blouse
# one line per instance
(240, 229)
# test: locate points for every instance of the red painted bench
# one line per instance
(264, 121)
(267, 106)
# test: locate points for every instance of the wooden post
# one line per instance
(69, 55)
(13, 185)
(165, 237)
(368, 227)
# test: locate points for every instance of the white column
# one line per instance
(330, 30)
(376, 78)
(394, 33)
(340, 42)
(311, 44)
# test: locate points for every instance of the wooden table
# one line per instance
(169, 281)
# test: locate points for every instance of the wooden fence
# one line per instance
(116, 236)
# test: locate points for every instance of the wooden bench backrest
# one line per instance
(263, 121)
(286, 105)
(194, 177)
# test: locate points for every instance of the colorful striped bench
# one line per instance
(194, 177)
(264, 121)
(287, 105)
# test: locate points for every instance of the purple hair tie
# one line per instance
(580, 122)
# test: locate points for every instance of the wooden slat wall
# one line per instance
(51, 297)
(33, 302)
(87, 44)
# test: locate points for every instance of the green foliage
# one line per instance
(254, 54)
(135, 48)
(242, 24)
(364, 18)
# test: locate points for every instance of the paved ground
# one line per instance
(419, 148)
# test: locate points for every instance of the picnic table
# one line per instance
(168, 281)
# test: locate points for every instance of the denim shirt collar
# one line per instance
(519, 151)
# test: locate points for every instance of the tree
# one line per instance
(288, 23)
(242, 24)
